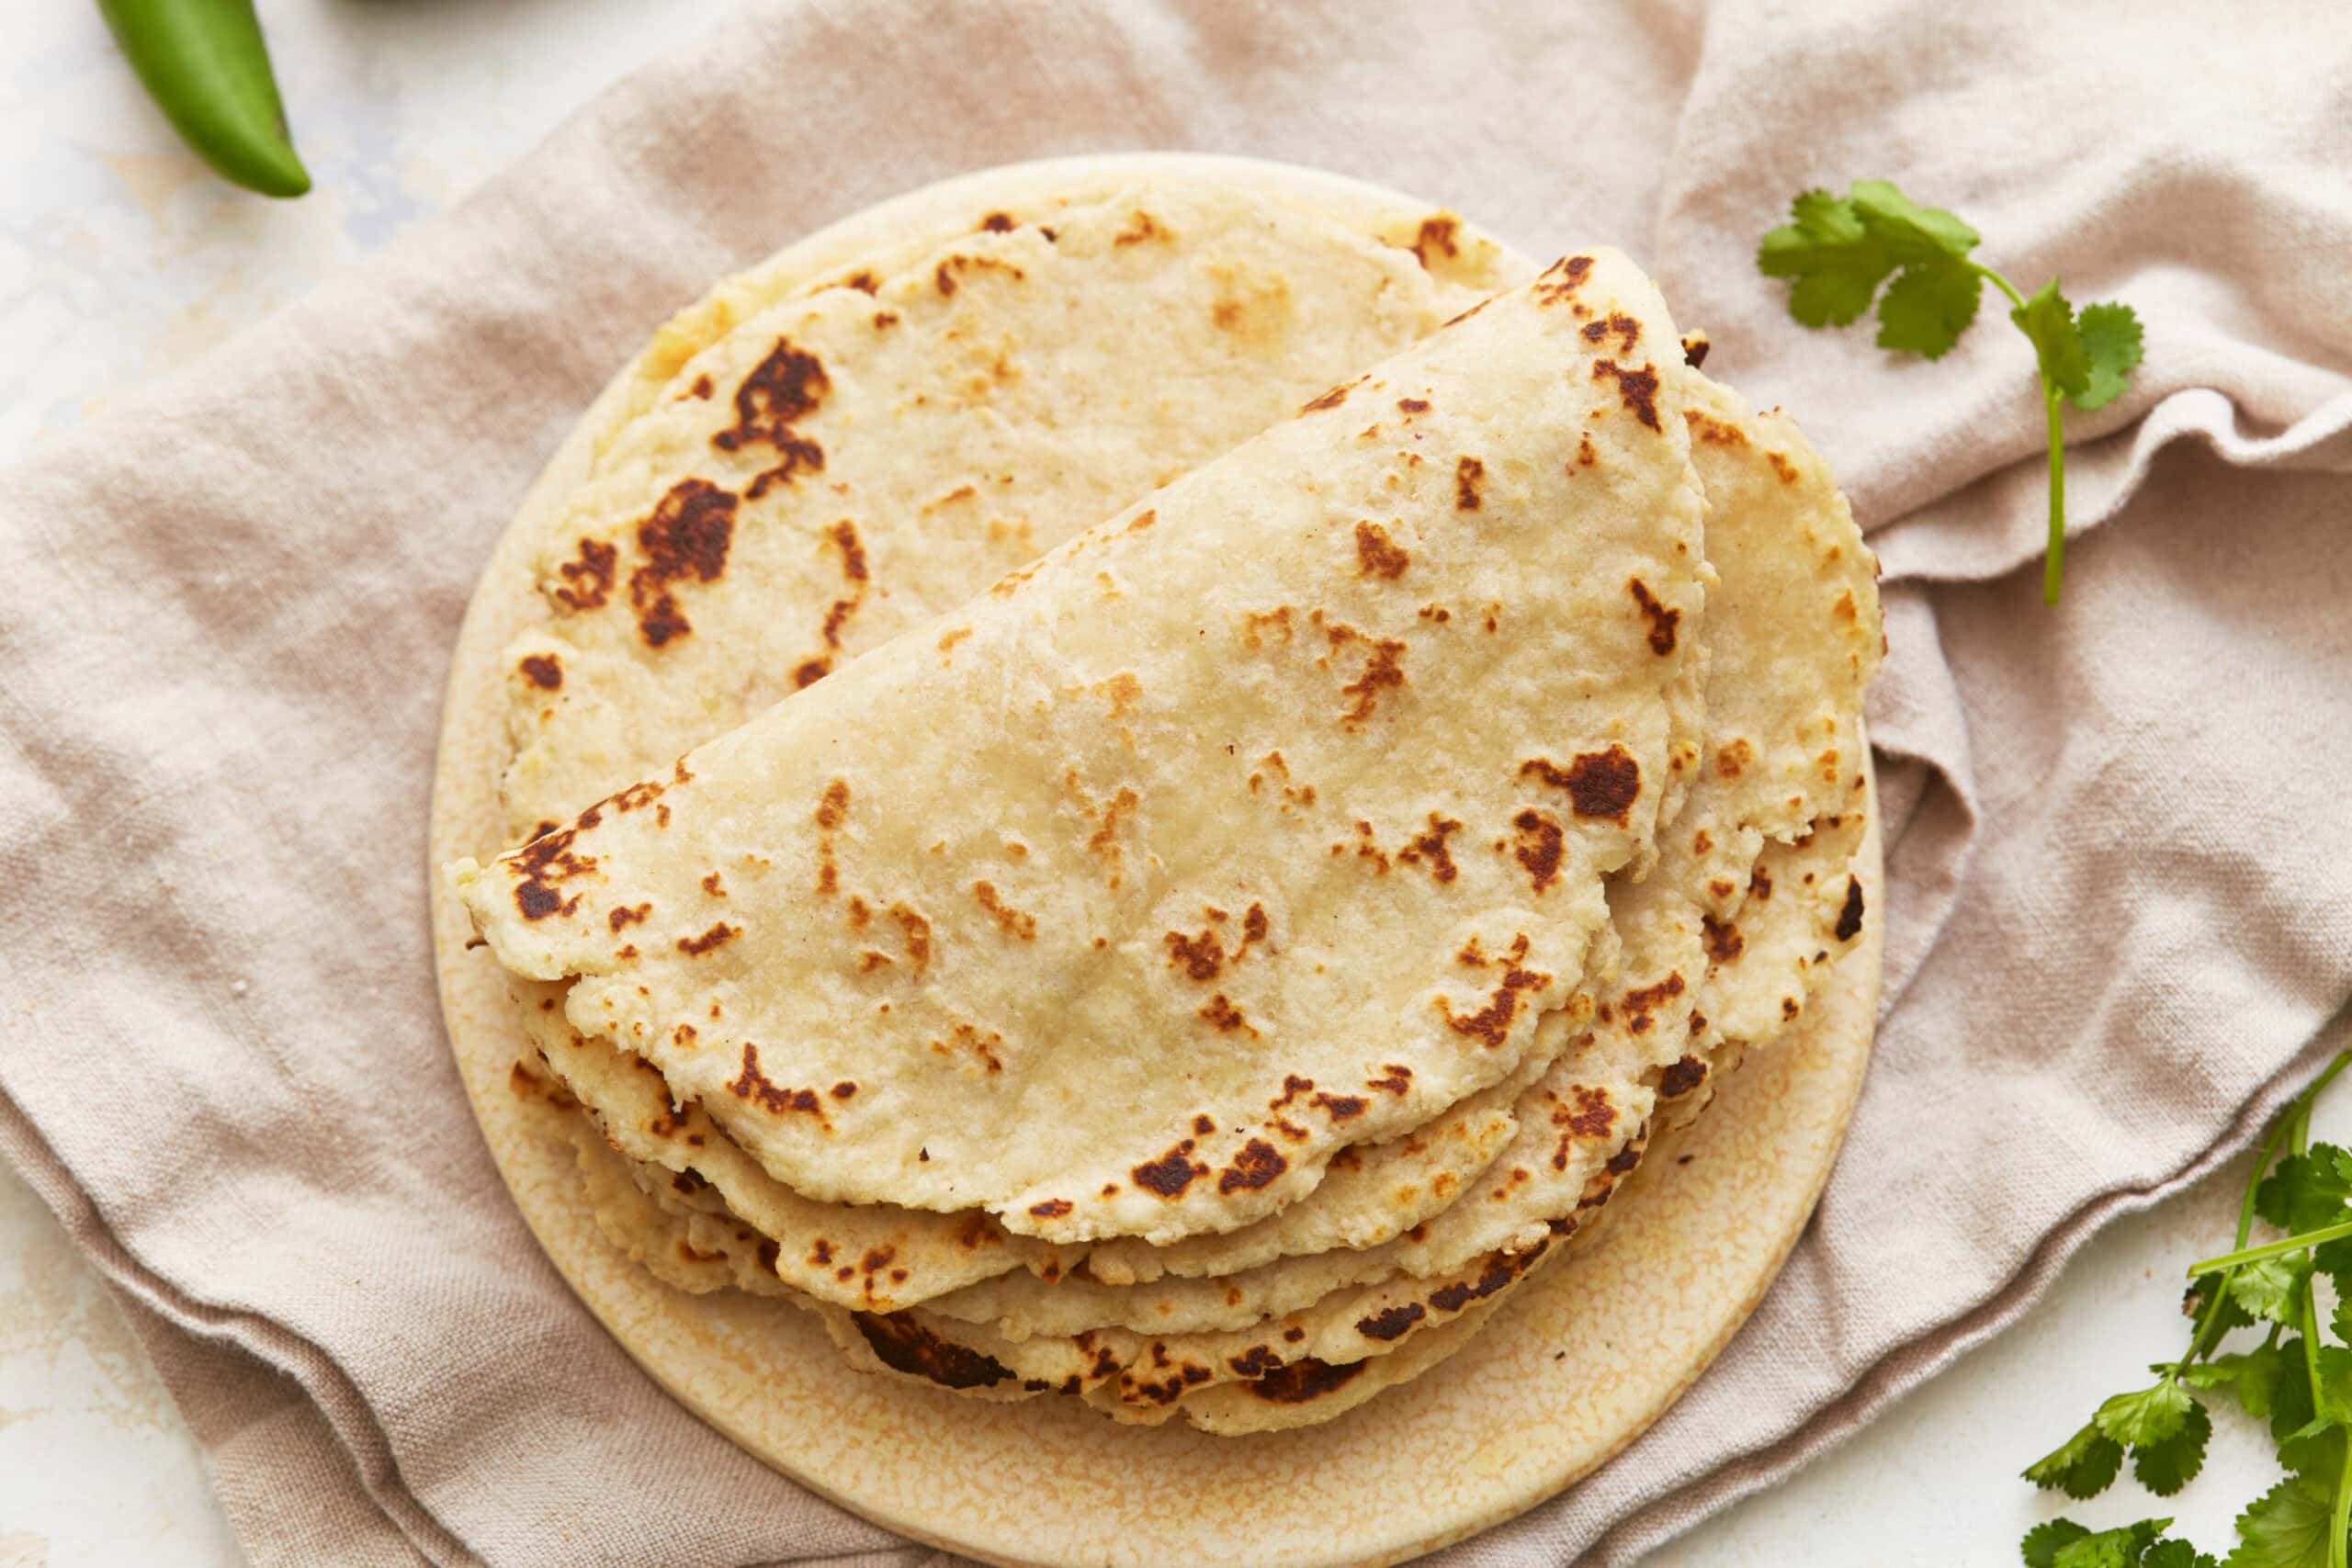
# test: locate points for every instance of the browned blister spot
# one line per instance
(1430, 846)
(1600, 784)
(1499, 1271)
(1639, 1004)
(1490, 1025)
(1628, 330)
(717, 935)
(905, 1345)
(685, 540)
(1714, 432)
(1170, 1174)
(1539, 848)
(1437, 237)
(1014, 922)
(1724, 941)
(1304, 1381)
(1849, 916)
(1469, 476)
(543, 671)
(1588, 1112)
(1331, 398)
(1662, 620)
(1141, 227)
(588, 579)
(1220, 1013)
(1377, 556)
(1051, 1209)
(1732, 758)
(783, 389)
(944, 277)
(1694, 351)
(1636, 390)
(996, 222)
(1392, 1324)
(1560, 281)
(1413, 405)
(1682, 1078)
(1201, 957)
(1783, 467)
(1383, 668)
(623, 914)
(1258, 1163)
(757, 1088)
(1342, 1107)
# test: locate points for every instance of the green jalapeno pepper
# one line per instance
(206, 68)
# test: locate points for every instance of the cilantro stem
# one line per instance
(2278, 1248)
(2201, 1343)
(1999, 282)
(2342, 1517)
(2053, 563)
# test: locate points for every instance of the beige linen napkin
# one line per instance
(2121, 922)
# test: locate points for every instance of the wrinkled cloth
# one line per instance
(2120, 926)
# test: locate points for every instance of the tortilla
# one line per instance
(881, 966)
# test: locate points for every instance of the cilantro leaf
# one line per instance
(2175, 1554)
(1910, 232)
(2255, 1374)
(1927, 307)
(2227, 1315)
(2082, 1466)
(2045, 1541)
(2306, 1191)
(2163, 1466)
(2119, 1548)
(1837, 262)
(2047, 321)
(2286, 1527)
(2148, 1416)
(2269, 1287)
(2111, 339)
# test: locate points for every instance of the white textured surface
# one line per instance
(122, 260)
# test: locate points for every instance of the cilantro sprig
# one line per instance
(2293, 1379)
(1837, 250)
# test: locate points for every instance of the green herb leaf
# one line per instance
(2270, 1287)
(2049, 320)
(2175, 1554)
(2119, 1548)
(2286, 1527)
(2111, 339)
(2148, 1416)
(1928, 307)
(1910, 232)
(2045, 1541)
(2163, 1466)
(1838, 264)
(2255, 1374)
(2082, 1466)
(2306, 1191)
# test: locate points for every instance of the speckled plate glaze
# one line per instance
(1583, 1360)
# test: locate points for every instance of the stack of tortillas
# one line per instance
(1151, 793)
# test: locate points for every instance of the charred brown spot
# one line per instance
(1397, 1078)
(1491, 1024)
(756, 1087)
(1639, 1004)
(1258, 1163)
(1431, 846)
(1393, 1324)
(1014, 922)
(1221, 1015)
(1683, 1077)
(1141, 227)
(623, 914)
(1469, 474)
(1601, 785)
(1051, 1209)
(1437, 236)
(1694, 351)
(588, 580)
(1849, 918)
(1170, 1174)
(1500, 1270)
(1201, 957)
(1331, 398)
(1724, 941)
(1588, 1112)
(832, 808)
(702, 387)
(905, 1345)
(1254, 1362)
(1628, 330)
(685, 539)
(1383, 667)
(1661, 619)
(1712, 431)
(782, 390)
(1377, 556)
(1413, 405)
(543, 671)
(1636, 390)
(1304, 1381)
(1539, 850)
(1342, 1107)
(997, 223)
(718, 934)
(1783, 467)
